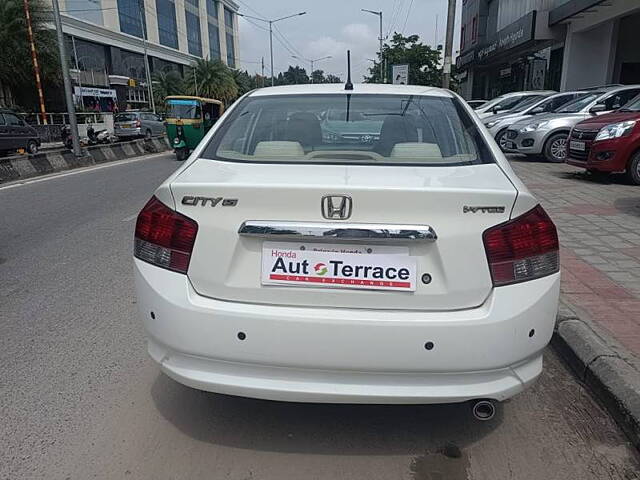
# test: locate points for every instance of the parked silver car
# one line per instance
(508, 101)
(138, 124)
(498, 124)
(547, 134)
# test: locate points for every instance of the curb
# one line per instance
(29, 166)
(604, 367)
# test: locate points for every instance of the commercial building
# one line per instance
(509, 45)
(106, 41)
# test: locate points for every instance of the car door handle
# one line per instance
(369, 232)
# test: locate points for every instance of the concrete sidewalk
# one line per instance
(598, 331)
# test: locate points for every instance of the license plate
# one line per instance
(338, 266)
(574, 145)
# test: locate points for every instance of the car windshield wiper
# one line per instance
(627, 110)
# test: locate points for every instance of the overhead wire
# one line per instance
(404, 27)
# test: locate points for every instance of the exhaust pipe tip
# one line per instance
(483, 410)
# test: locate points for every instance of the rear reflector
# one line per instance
(164, 237)
(523, 248)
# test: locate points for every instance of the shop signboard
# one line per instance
(519, 32)
(400, 74)
(94, 92)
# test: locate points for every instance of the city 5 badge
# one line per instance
(337, 268)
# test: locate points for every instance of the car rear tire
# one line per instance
(555, 148)
(181, 154)
(32, 147)
(501, 139)
(633, 169)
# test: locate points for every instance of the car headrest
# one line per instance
(278, 149)
(412, 150)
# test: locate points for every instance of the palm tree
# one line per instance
(212, 79)
(16, 69)
(166, 84)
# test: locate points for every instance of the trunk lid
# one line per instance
(227, 266)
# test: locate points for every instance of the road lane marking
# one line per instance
(76, 171)
(130, 217)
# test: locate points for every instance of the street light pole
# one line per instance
(448, 45)
(383, 71)
(147, 73)
(71, 109)
(271, 22)
(311, 61)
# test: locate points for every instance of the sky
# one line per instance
(330, 27)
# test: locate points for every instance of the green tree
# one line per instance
(166, 84)
(212, 79)
(16, 68)
(423, 61)
(331, 78)
(295, 76)
(244, 81)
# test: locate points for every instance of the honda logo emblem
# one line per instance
(336, 207)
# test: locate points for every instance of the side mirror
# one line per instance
(495, 109)
(597, 108)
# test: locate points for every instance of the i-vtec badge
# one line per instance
(213, 201)
(469, 209)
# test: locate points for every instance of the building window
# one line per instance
(228, 18)
(89, 10)
(474, 30)
(214, 42)
(231, 51)
(194, 41)
(462, 38)
(167, 27)
(129, 13)
(212, 8)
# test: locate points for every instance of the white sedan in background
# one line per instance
(412, 269)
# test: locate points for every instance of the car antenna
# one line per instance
(348, 85)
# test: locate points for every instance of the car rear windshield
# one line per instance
(126, 117)
(348, 129)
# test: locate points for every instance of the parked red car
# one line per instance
(609, 143)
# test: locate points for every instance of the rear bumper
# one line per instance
(347, 355)
(127, 132)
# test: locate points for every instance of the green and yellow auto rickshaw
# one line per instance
(188, 119)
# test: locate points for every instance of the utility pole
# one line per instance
(143, 27)
(271, 22)
(448, 45)
(71, 109)
(34, 60)
(262, 62)
(383, 70)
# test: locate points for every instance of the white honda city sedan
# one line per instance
(369, 245)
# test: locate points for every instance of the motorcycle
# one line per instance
(101, 136)
(65, 134)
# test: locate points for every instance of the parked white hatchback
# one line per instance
(404, 264)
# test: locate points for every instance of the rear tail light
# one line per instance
(523, 248)
(138, 123)
(164, 237)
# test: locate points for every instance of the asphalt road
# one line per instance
(80, 399)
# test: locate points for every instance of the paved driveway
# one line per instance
(599, 226)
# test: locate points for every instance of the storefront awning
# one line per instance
(569, 9)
